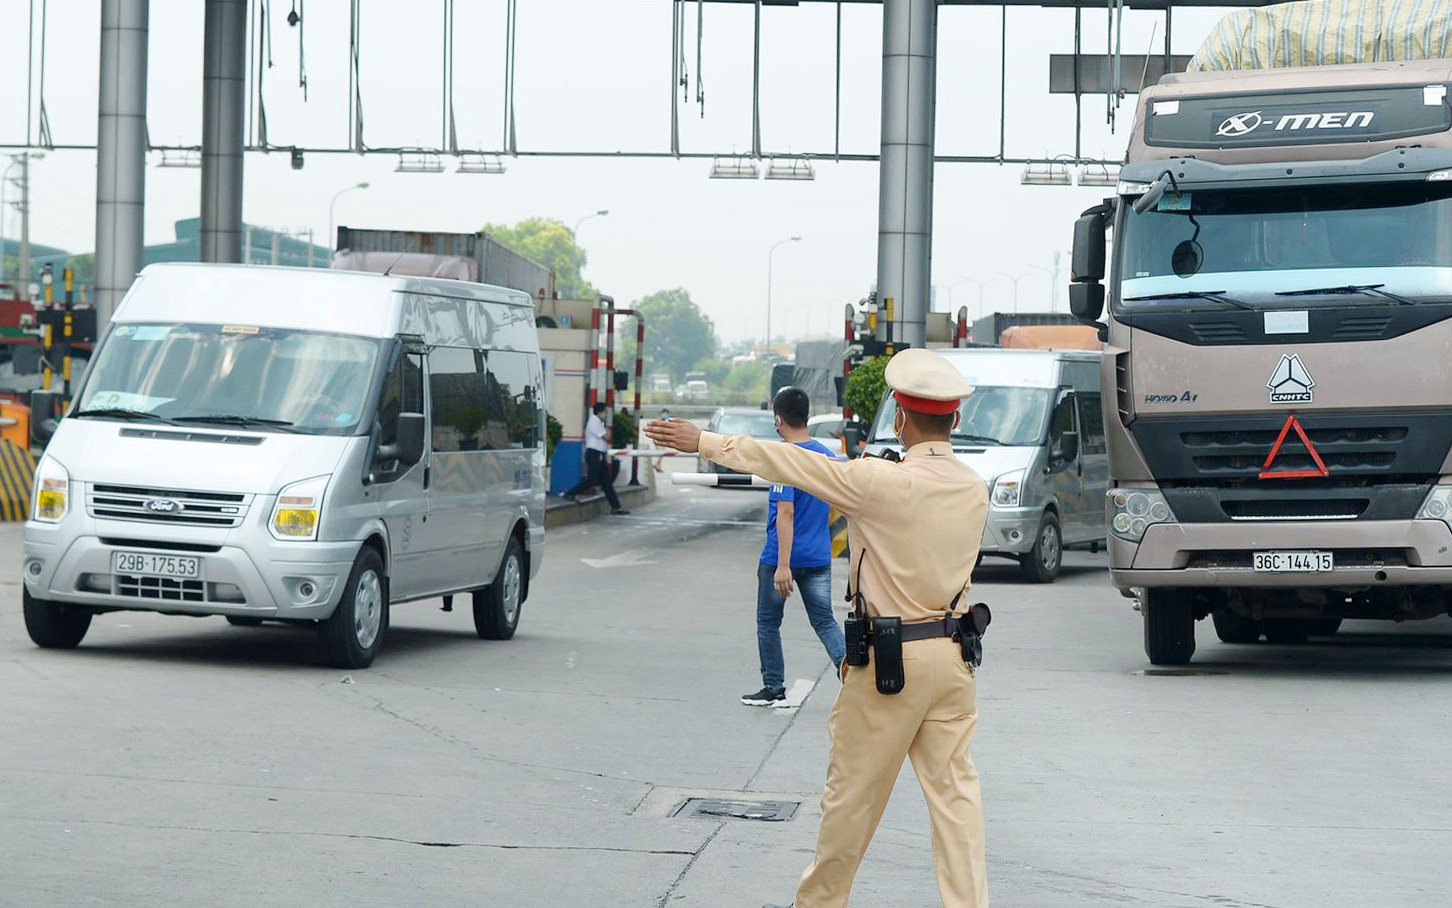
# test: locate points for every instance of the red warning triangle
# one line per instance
(1267, 473)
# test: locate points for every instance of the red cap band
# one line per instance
(924, 405)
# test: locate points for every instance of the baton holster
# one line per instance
(971, 626)
(887, 644)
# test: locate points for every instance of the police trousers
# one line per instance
(931, 722)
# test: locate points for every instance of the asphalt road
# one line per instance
(184, 762)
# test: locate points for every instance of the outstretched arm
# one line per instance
(844, 484)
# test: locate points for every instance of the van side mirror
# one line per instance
(43, 430)
(1066, 448)
(409, 448)
(852, 434)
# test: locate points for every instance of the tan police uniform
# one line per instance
(916, 527)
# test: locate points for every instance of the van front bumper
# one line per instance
(1010, 531)
(255, 577)
(1366, 553)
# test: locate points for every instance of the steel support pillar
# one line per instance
(120, 151)
(224, 92)
(905, 193)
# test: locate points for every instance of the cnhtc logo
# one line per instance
(1290, 383)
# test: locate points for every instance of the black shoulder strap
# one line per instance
(854, 591)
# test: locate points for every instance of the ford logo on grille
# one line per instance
(163, 506)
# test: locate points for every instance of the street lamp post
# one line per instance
(22, 161)
(769, 257)
(599, 214)
(331, 239)
(1015, 278)
(1053, 285)
(966, 280)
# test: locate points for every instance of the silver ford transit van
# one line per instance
(297, 445)
(1034, 430)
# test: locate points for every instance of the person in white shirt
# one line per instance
(597, 461)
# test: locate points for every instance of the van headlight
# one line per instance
(1438, 505)
(295, 516)
(52, 491)
(1132, 511)
(1007, 489)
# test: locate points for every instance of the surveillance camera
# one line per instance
(293, 18)
(297, 159)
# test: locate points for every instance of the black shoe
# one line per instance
(765, 697)
(620, 512)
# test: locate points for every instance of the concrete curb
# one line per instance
(560, 512)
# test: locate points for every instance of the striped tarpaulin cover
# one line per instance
(1324, 32)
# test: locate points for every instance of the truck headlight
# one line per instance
(52, 491)
(295, 516)
(1132, 511)
(1438, 505)
(1007, 489)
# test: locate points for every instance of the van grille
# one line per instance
(163, 588)
(205, 509)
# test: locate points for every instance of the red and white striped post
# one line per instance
(594, 391)
(960, 337)
(847, 362)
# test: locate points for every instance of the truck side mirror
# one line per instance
(1087, 260)
(409, 447)
(1086, 301)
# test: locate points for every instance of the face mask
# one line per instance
(898, 421)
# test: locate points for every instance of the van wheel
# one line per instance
(54, 625)
(1233, 628)
(242, 621)
(1287, 631)
(353, 634)
(1169, 626)
(1041, 563)
(1325, 627)
(496, 607)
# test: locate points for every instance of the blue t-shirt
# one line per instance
(811, 538)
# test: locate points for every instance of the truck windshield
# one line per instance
(245, 375)
(989, 416)
(1267, 247)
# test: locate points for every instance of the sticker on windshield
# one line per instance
(1174, 201)
(150, 332)
(125, 400)
(240, 329)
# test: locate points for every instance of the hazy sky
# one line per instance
(594, 75)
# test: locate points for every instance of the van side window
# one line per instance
(1062, 419)
(514, 399)
(457, 392)
(402, 393)
(1091, 423)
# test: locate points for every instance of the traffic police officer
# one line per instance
(915, 529)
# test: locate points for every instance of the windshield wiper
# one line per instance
(117, 413)
(1215, 296)
(1349, 289)
(975, 439)
(237, 420)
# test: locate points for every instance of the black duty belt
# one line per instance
(929, 630)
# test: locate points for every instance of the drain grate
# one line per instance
(724, 809)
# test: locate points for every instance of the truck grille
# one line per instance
(205, 509)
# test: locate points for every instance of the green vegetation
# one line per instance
(552, 244)
(677, 335)
(553, 433)
(623, 429)
(865, 387)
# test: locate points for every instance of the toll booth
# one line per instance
(566, 347)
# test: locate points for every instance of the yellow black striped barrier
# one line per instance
(837, 523)
(17, 475)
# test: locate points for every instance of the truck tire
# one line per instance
(1325, 627)
(1233, 628)
(1041, 563)
(1287, 631)
(1169, 626)
(352, 636)
(54, 625)
(497, 606)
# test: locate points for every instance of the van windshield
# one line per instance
(991, 415)
(246, 375)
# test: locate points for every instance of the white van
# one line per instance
(297, 445)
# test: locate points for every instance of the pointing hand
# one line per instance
(680, 434)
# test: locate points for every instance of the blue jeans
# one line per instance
(815, 585)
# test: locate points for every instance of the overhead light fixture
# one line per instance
(1098, 175)
(480, 163)
(742, 168)
(418, 160)
(297, 159)
(180, 157)
(1048, 173)
(790, 169)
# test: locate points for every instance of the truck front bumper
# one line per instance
(1366, 554)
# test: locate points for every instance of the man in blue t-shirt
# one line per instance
(798, 551)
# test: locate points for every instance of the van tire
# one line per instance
(352, 636)
(497, 606)
(243, 621)
(1287, 631)
(1169, 626)
(1233, 628)
(54, 625)
(1041, 563)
